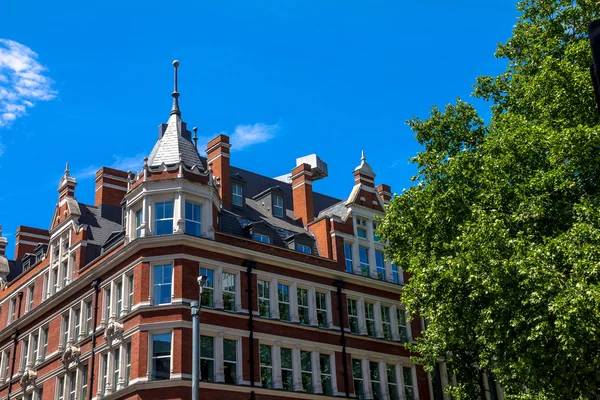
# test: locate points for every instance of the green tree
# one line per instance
(501, 233)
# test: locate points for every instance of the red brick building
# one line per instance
(299, 302)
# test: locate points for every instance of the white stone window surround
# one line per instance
(61, 241)
(355, 243)
(218, 270)
(177, 191)
(151, 350)
(383, 379)
(111, 285)
(35, 349)
(76, 373)
(218, 336)
(29, 297)
(111, 353)
(293, 284)
(32, 393)
(151, 280)
(377, 303)
(5, 364)
(276, 346)
(12, 309)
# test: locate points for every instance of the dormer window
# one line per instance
(261, 238)
(278, 206)
(361, 227)
(237, 195)
(163, 216)
(192, 219)
(303, 249)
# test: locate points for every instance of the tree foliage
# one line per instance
(502, 231)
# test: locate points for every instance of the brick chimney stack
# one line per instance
(302, 179)
(111, 186)
(385, 193)
(66, 188)
(27, 238)
(217, 151)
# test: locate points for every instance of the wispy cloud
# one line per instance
(121, 163)
(22, 81)
(247, 135)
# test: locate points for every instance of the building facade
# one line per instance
(299, 300)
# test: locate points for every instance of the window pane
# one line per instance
(266, 363)
(364, 260)
(161, 356)
(230, 358)
(348, 255)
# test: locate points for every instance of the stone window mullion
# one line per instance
(219, 358)
(400, 380)
(377, 316)
(366, 375)
(274, 296)
(388, 271)
(296, 370)
(145, 217)
(124, 296)
(312, 307)
(108, 385)
(30, 352)
(383, 381)
(113, 301)
(362, 323)
(329, 310)
(294, 302)
(82, 319)
(276, 360)
(394, 322)
(218, 288)
(316, 371)
(122, 365)
(40, 345)
(356, 258)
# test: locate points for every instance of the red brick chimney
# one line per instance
(111, 186)
(385, 192)
(27, 238)
(302, 179)
(217, 151)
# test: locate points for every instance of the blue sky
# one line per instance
(283, 78)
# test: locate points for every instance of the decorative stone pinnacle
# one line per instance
(175, 94)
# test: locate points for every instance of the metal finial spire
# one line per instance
(195, 137)
(175, 94)
(362, 157)
(67, 169)
(0, 230)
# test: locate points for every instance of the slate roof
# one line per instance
(240, 220)
(338, 210)
(174, 140)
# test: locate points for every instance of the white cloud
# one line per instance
(22, 81)
(121, 163)
(247, 135)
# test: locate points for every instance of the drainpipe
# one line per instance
(15, 338)
(96, 287)
(339, 284)
(250, 265)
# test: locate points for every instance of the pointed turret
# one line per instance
(173, 138)
(4, 266)
(363, 174)
(66, 187)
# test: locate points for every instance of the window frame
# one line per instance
(266, 288)
(322, 313)
(380, 267)
(364, 264)
(233, 298)
(349, 260)
(212, 378)
(353, 317)
(370, 321)
(208, 289)
(152, 357)
(233, 364)
(284, 303)
(302, 248)
(191, 220)
(264, 366)
(259, 237)
(305, 307)
(278, 206)
(309, 371)
(235, 195)
(386, 323)
(153, 283)
(163, 218)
